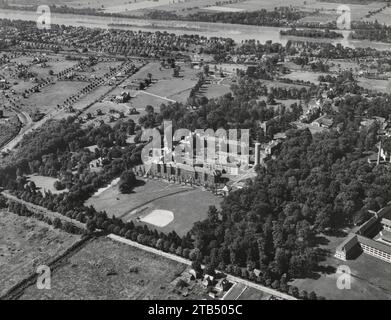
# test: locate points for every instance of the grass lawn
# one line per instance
(102, 270)
(115, 203)
(45, 184)
(216, 90)
(187, 204)
(49, 97)
(187, 207)
(374, 84)
(305, 76)
(253, 294)
(371, 277)
(26, 243)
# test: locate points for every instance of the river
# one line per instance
(237, 32)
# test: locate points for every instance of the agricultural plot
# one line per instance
(375, 84)
(25, 244)
(9, 129)
(254, 5)
(328, 10)
(109, 270)
(383, 17)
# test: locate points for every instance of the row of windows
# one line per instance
(377, 253)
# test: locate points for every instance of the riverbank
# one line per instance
(236, 32)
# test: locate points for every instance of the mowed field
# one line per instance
(45, 184)
(375, 84)
(49, 97)
(371, 277)
(188, 205)
(109, 270)
(25, 244)
(164, 89)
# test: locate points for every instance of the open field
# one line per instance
(118, 204)
(375, 84)
(371, 277)
(9, 129)
(304, 76)
(216, 90)
(25, 244)
(164, 89)
(45, 184)
(188, 205)
(48, 98)
(383, 17)
(188, 208)
(253, 294)
(105, 269)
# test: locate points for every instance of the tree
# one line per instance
(149, 109)
(91, 226)
(312, 296)
(127, 182)
(196, 265)
(57, 223)
(209, 270)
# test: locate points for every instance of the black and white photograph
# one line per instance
(191, 157)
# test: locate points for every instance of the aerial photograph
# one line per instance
(211, 152)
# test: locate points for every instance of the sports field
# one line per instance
(188, 205)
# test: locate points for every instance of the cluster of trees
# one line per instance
(22, 210)
(373, 31)
(195, 90)
(280, 16)
(127, 182)
(340, 79)
(58, 150)
(312, 33)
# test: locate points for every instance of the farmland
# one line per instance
(105, 269)
(8, 129)
(24, 245)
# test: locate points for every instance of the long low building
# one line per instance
(362, 240)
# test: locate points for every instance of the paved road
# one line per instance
(188, 262)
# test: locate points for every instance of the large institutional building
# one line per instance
(373, 238)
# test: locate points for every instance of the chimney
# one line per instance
(378, 155)
(257, 154)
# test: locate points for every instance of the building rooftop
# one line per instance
(375, 244)
(385, 213)
(386, 235)
(349, 242)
